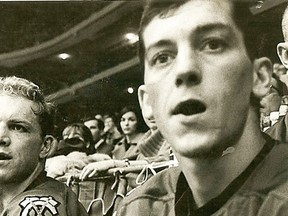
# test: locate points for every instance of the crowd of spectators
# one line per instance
(103, 146)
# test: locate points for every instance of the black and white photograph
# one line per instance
(144, 108)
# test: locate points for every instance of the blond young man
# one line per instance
(26, 122)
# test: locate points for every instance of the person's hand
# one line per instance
(93, 169)
(56, 166)
(74, 165)
(78, 156)
(98, 157)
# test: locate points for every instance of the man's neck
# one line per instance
(9, 191)
(208, 178)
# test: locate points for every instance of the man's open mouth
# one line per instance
(189, 107)
(4, 156)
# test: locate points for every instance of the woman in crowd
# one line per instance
(130, 126)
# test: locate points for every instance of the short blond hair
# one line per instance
(12, 85)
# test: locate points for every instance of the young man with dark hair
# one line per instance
(204, 77)
(26, 122)
(96, 127)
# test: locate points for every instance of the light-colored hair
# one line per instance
(12, 85)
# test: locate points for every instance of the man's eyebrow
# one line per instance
(20, 121)
(201, 29)
(159, 43)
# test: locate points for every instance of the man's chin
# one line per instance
(203, 151)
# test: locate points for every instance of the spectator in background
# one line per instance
(111, 133)
(272, 101)
(281, 72)
(26, 120)
(203, 80)
(152, 148)
(96, 127)
(279, 130)
(130, 125)
(74, 152)
(76, 137)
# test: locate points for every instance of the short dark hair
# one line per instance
(100, 123)
(12, 85)
(112, 116)
(255, 35)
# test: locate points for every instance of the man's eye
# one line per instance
(161, 59)
(214, 45)
(19, 128)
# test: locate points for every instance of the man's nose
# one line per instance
(4, 135)
(187, 69)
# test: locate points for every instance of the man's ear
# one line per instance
(262, 76)
(282, 51)
(144, 102)
(47, 146)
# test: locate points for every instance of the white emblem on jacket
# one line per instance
(38, 205)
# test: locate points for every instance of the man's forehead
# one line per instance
(205, 15)
(256, 6)
(17, 99)
(22, 107)
(91, 121)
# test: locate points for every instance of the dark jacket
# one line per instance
(260, 190)
(48, 196)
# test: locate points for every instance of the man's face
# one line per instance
(93, 126)
(198, 76)
(109, 124)
(20, 138)
(73, 137)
